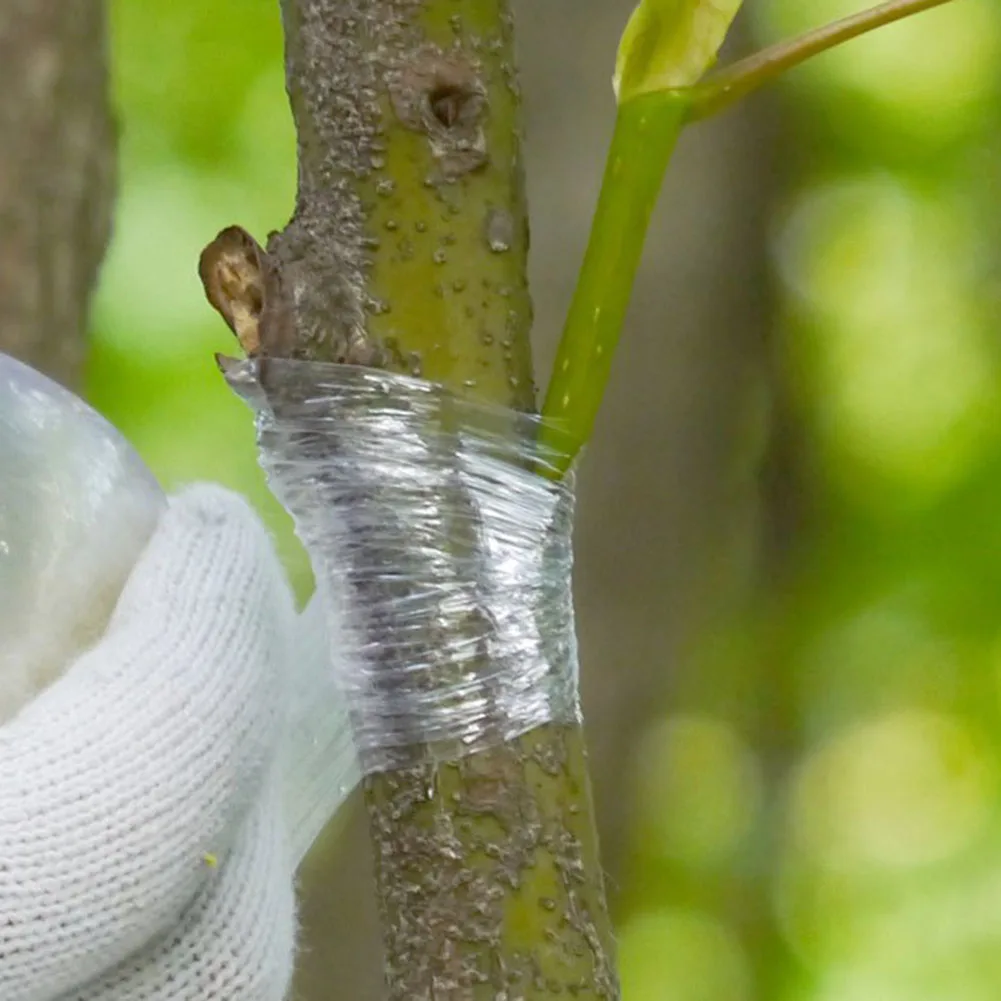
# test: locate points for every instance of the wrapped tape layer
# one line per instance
(442, 555)
(77, 506)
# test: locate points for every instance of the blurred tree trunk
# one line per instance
(57, 174)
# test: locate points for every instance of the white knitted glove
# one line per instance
(144, 796)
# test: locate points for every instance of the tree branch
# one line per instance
(407, 250)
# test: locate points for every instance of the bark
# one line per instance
(408, 251)
(57, 174)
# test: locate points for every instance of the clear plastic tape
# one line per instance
(77, 506)
(441, 553)
(320, 763)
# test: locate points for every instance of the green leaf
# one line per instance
(669, 44)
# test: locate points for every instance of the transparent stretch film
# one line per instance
(321, 766)
(77, 505)
(441, 551)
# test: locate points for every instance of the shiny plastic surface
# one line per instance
(442, 554)
(77, 505)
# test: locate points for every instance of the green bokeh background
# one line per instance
(206, 141)
(842, 840)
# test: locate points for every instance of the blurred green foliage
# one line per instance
(206, 141)
(824, 802)
(821, 808)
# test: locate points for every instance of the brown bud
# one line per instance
(232, 270)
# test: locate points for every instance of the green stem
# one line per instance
(646, 132)
(744, 77)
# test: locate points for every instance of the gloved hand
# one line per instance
(143, 823)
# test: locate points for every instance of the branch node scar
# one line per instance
(443, 97)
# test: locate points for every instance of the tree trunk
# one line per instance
(57, 174)
(408, 251)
